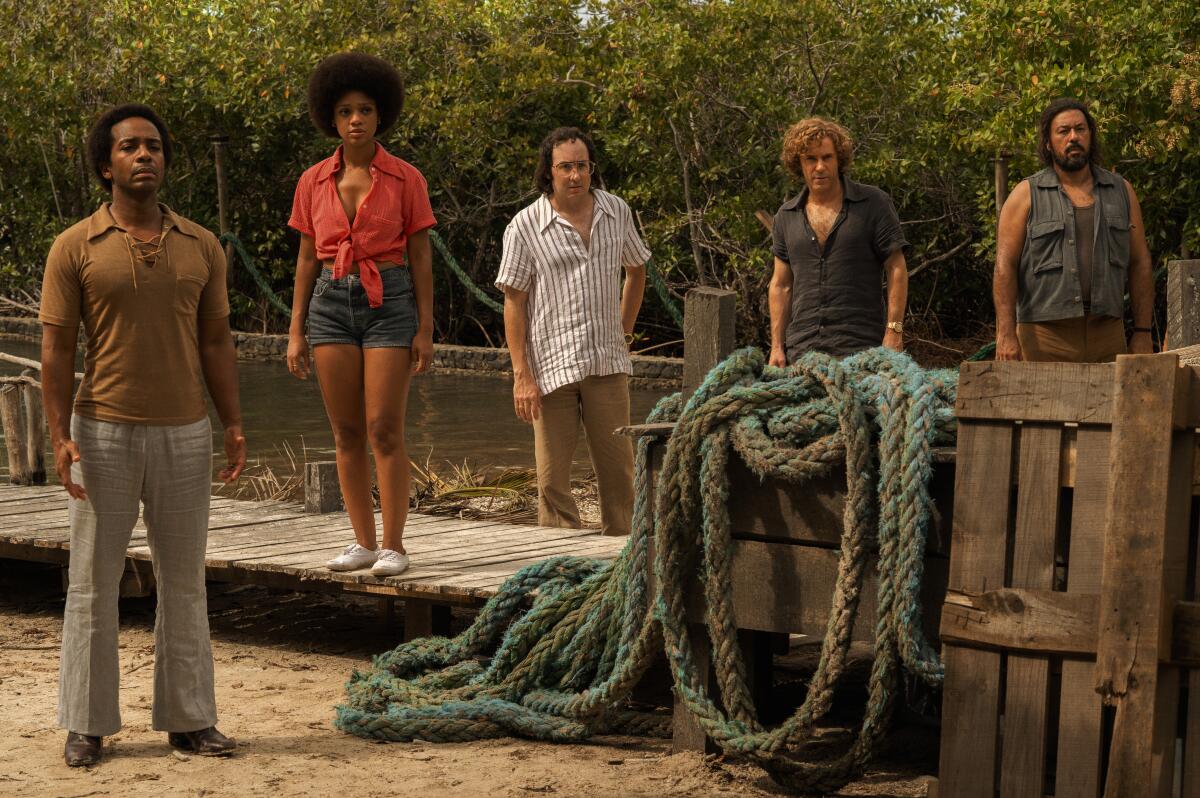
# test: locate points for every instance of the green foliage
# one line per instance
(688, 101)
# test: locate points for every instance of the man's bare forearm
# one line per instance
(58, 378)
(1004, 296)
(779, 299)
(897, 287)
(515, 327)
(218, 361)
(631, 297)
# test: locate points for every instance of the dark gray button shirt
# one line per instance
(838, 301)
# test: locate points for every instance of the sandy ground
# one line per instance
(281, 660)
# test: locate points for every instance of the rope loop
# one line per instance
(556, 653)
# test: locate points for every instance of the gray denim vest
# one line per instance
(1048, 282)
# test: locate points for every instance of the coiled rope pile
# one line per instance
(563, 669)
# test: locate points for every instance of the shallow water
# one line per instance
(451, 417)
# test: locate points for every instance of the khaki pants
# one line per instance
(168, 469)
(1086, 339)
(603, 405)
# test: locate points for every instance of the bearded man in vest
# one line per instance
(1069, 245)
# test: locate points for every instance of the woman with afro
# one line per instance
(364, 284)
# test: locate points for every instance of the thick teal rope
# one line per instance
(564, 668)
(259, 280)
(664, 294)
(462, 276)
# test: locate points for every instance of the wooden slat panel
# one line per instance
(1031, 621)
(811, 512)
(767, 596)
(1058, 392)
(1079, 728)
(1149, 485)
(971, 693)
(1023, 761)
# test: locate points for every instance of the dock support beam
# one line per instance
(322, 493)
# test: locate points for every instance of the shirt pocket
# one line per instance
(1045, 245)
(378, 233)
(188, 289)
(1117, 241)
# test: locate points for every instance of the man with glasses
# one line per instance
(569, 322)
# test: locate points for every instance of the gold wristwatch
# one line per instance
(896, 326)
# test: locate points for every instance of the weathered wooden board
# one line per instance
(1057, 392)
(1080, 738)
(971, 693)
(1146, 534)
(455, 561)
(1023, 757)
(812, 512)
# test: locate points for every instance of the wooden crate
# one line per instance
(785, 561)
(1074, 542)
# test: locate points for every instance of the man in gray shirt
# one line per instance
(1069, 244)
(833, 243)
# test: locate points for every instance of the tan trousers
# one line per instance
(1086, 339)
(602, 403)
(169, 470)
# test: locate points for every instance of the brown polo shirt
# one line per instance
(142, 361)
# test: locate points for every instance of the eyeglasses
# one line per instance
(566, 168)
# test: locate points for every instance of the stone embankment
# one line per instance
(660, 372)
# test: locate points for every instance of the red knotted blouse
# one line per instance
(396, 206)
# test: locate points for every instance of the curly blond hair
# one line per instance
(808, 132)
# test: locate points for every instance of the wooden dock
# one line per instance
(276, 544)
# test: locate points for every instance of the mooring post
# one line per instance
(708, 332)
(218, 142)
(708, 338)
(322, 494)
(35, 427)
(1183, 303)
(14, 434)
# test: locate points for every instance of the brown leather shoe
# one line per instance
(206, 742)
(81, 750)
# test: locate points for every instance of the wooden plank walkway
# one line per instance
(277, 544)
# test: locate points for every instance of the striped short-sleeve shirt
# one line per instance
(574, 323)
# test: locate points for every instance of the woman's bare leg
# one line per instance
(340, 374)
(385, 388)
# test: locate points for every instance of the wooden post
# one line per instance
(1145, 571)
(14, 434)
(1183, 303)
(425, 619)
(1001, 180)
(708, 338)
(322, 493)
(708, 332)
(218, 142)
(35, 428)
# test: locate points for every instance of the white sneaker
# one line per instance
(352, 558)
(389, 563)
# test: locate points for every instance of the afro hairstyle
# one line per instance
(347, 72)
(100, 140)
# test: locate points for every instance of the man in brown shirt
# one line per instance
(148, 286)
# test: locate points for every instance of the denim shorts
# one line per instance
(339, 313)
